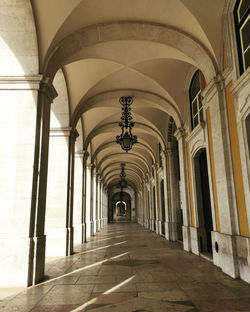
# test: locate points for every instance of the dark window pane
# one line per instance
(245, 31)
(199, 99)
(245, 5)
(195, 85)
(195, 107)
(247, 58)
(196, 121)
(201, 115)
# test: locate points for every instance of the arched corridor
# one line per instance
(130, 115)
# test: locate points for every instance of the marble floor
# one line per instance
(126, 268)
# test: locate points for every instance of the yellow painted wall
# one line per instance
(237, 169)
(211, 153)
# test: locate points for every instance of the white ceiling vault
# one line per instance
(147, 49)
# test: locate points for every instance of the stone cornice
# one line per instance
(195, 131)
(180, 133)
(60, 132)
(20, 82)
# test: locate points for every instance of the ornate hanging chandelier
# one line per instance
(126, 139)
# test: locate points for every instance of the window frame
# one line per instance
(196, 98)
(239, 24)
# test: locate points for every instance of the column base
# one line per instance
(69, 241)
(36, 260)
(243, 252)
(171, 231)
(92, 228)
(225, 249)
(186, 238)
(158, 227)
(84, 236)
(97, 225)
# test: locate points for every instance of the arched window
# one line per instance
(160, 157)
(242, 30)
(195, 99)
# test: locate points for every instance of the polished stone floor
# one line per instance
(126, 268)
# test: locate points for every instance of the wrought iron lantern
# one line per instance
(126, 139)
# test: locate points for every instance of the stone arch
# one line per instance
(69, 48)
(157, 100)
(118, 154)
(137, 166)
(109, 126)
(111, 143)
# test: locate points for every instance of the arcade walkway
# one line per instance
(127, 268)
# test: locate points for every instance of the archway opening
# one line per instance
(203, 201)
(120, 209)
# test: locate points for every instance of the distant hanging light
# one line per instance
(126, 139)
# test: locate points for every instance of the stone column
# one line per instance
(166, 195)
(180, 136)
(84, 197)
(174, 193)
(105, 216)
(46, 94)
(149, 207)
(171, 190)
(94, 215)
(145, 204)
(78, 194)
(152, 221)
(20, 124)
(97, 202)
(70, 194)
(91, 200)
(57, 188)
(101, 204)
(88, 200)
(158, 212)
(142, 204)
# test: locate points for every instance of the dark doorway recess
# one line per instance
(203, 202)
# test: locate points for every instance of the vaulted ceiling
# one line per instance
(147, 49)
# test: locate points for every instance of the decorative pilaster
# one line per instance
(184, 195)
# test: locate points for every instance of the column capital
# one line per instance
(169, 151)
(85, 154)
(180, 133)
(156, 166)
(89, 166)
(47, 88)
(74, 134)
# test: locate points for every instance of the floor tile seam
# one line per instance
(37, 303)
